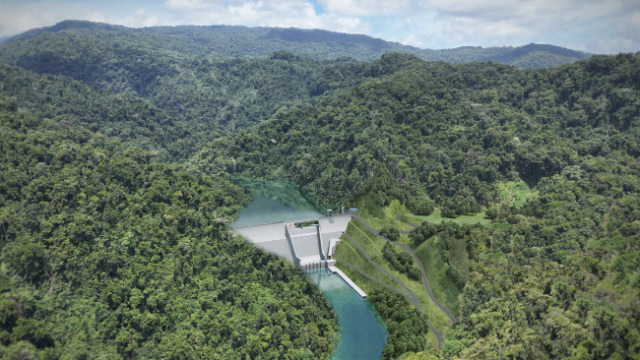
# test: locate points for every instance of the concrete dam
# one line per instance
(307, 243)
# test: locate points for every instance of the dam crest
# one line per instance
(308, 243)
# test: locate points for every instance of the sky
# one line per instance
(596, 26)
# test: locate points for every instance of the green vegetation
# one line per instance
(437, 218)
(514, 193)
(442, 285)
(106, 252)
(446, 132)
(401, 261)
(178, 111)
(115, 251)
(445, 258)
(130, 119)
(405, 323)
(352, 254)
(459, 134)
(390, 233)
(238, 42)
(381, 217)
(374, 247)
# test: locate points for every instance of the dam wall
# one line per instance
(308, 244)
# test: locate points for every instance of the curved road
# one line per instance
(356, 268)
(414, 226)
(413, 298)
(425, 282)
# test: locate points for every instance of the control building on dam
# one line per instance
(307, 243)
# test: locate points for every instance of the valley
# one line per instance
(362, 333)
(498, 211)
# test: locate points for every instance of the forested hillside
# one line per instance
(107, 253)
(238, 42)
(202, 90)
(453, 129)
(130, 119)
(117, 146)
(556, 273)
(181, 111)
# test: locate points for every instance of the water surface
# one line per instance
(362, 333)
(264, 211)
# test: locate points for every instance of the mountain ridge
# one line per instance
(549, 156)
(228, 41)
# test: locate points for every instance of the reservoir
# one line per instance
(362, 332)
(362, 335)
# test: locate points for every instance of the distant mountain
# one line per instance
(106, 251)
(226, 42)
(205, 81)
(527, 56)
(161, 100)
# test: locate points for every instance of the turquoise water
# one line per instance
(263, 211)
(362, 333)
(283, 192)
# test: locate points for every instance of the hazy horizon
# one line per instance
(606, 27)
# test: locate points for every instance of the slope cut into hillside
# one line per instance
(554, 273)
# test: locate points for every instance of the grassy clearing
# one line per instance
(459, 256)
(443, 288)
(373, 246)
(378, 217)
(371, 243)
(352, 254)
(437, 218)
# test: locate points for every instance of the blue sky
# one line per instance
(609, 26)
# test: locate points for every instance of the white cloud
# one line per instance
(21, 16)
(13, 21)
(249, 11)
(186, 4)
(283, 13)
(96, 16)
(351, 25)
(496, 22)
(592, 25)
(627, 38)
(150, 21)
(139, 18)
(630, 24)
(367, 7)
(499, 9)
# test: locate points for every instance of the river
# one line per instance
(362, 332)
